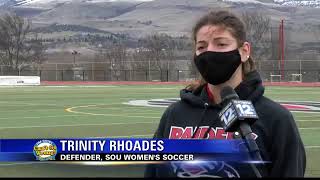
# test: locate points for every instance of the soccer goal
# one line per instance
(275, 78)
(296, 77)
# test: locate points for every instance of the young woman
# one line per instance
(222, 57)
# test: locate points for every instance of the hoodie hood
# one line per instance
(250, 88)
(194, 118)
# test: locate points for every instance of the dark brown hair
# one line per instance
(230, 22)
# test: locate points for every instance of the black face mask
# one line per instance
(218, 67)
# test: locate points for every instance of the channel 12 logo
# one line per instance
(45, 150)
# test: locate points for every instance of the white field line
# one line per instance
(86, 114)
(306, 120)
(135, 111)
(312, 116)
(39, 117)
(30, 104)
(120, 108)
(117, 115)
(289, 101)
(77, 125)
(12, 111)
(305, 112)
(71, 110)
(312, 147)
(310, 128)
(287, 93)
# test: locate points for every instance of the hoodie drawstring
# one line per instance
(206, 105)
(178, 168)
(202, 118)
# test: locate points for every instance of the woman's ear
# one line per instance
(245, 51)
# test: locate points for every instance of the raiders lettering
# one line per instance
(187, 133)
(204, 169)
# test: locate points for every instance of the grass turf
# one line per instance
(98, 111)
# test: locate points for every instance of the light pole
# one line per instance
(167, 59)
(74, 53)
(100, 51)
(75, 69)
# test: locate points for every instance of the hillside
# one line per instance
(174, 17)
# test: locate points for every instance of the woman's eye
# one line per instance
(200, 48)
(221, 45)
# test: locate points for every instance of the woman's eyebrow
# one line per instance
(202, 41)
(221, 38)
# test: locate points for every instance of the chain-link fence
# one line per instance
(271, 71)
(286, 71)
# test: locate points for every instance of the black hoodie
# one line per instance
(277, 135)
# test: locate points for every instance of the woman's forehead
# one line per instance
(208, 32)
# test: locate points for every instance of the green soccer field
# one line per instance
(99, 111)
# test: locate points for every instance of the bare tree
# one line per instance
(258, 34)
(316, 32)
(141, 57)
(36, 52)
(161, 47)
(13, 32)
(18, 51)
(117, 56)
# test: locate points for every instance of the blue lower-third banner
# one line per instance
(94, 149)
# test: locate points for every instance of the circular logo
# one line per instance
(45, 150)
(204, 169)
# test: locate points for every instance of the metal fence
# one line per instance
(106, 75)
(301, 71)
(271, 71)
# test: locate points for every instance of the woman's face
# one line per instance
(218, 39)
